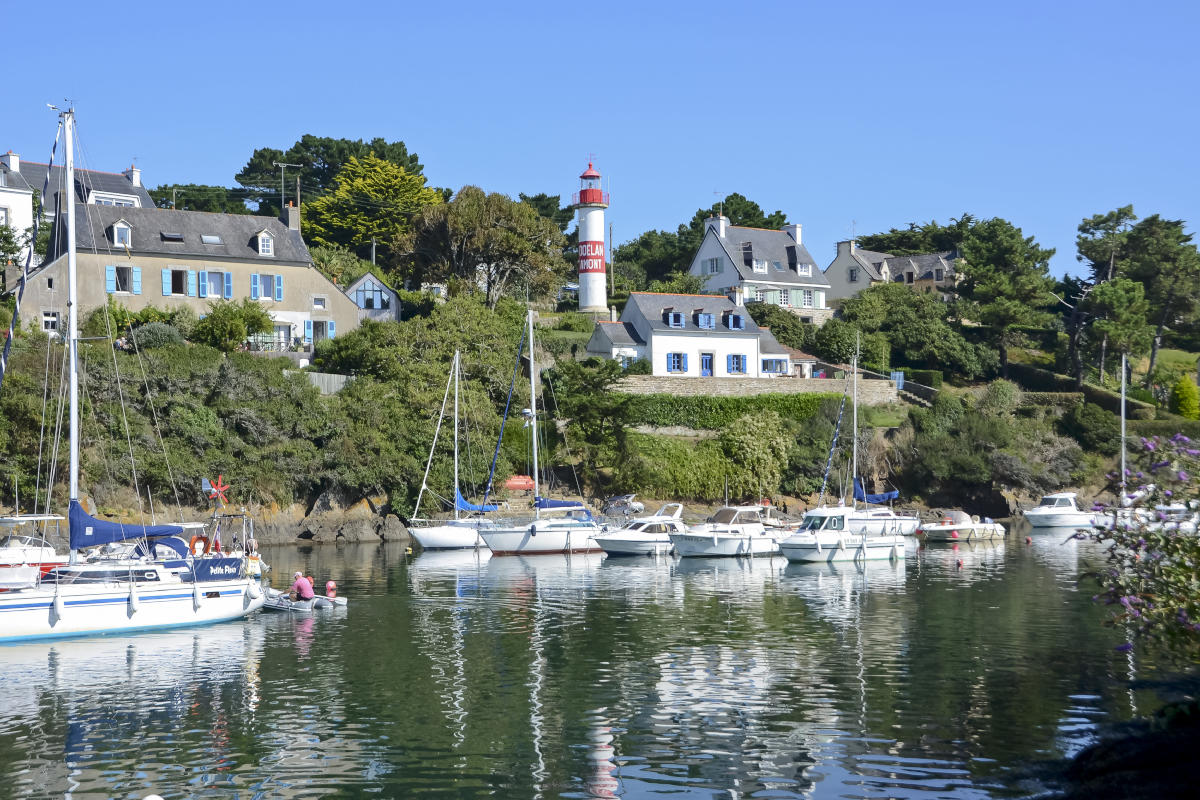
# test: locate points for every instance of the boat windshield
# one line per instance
(725, 516)
(822, 523)
(1048, 502)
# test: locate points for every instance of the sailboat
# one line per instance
(848, 533)
(460, 532)
(119, 577)
(572, 528)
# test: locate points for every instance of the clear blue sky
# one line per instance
(846, 116)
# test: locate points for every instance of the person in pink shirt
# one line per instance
(301, 588)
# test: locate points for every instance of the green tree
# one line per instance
(1103, 240)
(597, 414)
(921, 238)
(1120, 309)
(757, 448)
(339, 264)
(228, 323)
(487, 240)
(1185, 398)
(1162, 257)
(321, 159)
(785, 326)
(372, 199)
(10, 248)
(838, 341)
(678, 283)
(550, 207)
(1006, 281)
(200, 197)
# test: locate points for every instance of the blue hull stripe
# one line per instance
(110, 600)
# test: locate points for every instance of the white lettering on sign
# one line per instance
(591, 257)
(591, 249)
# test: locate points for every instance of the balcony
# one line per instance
(590, 197)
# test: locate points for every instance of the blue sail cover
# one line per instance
(546, 502)
(87, 531)
(860, 494)
(463, 505)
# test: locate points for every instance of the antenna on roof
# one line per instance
(853, 226)
(720, 204)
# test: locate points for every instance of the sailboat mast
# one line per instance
(72, 303)
(457, 371)
(854, 446)
(533, 419)
(1121, 499)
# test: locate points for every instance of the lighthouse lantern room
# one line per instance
(590, 202)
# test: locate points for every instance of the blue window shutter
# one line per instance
(729, 364)
(279, 290)
(136, 272)
(228, 285)
(308, 331)
(254, 286)
(683, 362)
(110, 279)
(332, 328)
(166, 282)
(203, 284)
(191, 283)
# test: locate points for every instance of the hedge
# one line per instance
(1163, 427)
(1036, 379)
(713, 413)
(1061, 399)
(925, 377)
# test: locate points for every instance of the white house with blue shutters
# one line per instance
(142, 257)
(688, 335)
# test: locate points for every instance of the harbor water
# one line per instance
(454, 674)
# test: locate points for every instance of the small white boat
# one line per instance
(957, 526)
(732, 531)
(645, 536)
(450, 534)
(280, 601)
(1059, 510)
(573, 533)
(24, 558)
(829, 534)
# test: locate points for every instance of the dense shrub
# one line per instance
(925, 377)
(1040, 380)
(1059, 399)
(1095, 429)
(1000, 398)
(156, 334)
(639, 367)
(1163, 427)
(575, 321)
(1140, 394)
(1185, 398)
(228, 323)
(713, 413)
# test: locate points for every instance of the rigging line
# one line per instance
(20, 293)
(487, 490)
(150, 401)
(56, 446)
(37, 489)
(566, 445)
(437, 431)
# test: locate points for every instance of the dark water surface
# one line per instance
(458, 676)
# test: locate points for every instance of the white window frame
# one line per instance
(117, 279)
(320, 302)
(785, 298)
(4, 215)
(122, 230)
(806, 298)
(118, 200)
(50, 320)
(760, 294)
(760, 265)
(804, 269)
(220, 292)
(714, 266)
(266, 246)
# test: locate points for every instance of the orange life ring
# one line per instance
(192, 545)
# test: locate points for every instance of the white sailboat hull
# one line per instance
(50, 611)
(699, 544)
(451, 536)
(542, 536)
(834, 546)
(633, 543)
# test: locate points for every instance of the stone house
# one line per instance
(854, 269)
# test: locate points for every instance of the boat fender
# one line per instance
(133, 598)
(533, 530)
(58, 604)
(253, 589)
(204, 545)
(195, 594)
(330, 589)
(953, 534)
(1028, 540)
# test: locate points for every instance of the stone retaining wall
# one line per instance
(870, 392)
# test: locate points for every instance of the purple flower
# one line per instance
(1191, 451)
(1149, 445)
(1183, 476)
(1167, 492)
(1158, 465)
(1124, 648)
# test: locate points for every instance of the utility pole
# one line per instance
(282, 168)
(173, 193)
(612, 268)
(297, 191)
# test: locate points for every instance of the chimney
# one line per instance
(717, 223)
(612, 314)
(134, 174)
(793, 231)
(291, 217)
(846, 248)
(12, 161)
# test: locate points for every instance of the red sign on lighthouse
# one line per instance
(591, 257)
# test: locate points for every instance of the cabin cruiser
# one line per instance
(833, 533)
(958, 526)
(25, 557)
(645, 536)
(1059, 510)
(731, 531)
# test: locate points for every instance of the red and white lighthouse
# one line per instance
(590, 202)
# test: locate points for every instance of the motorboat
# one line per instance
(280, 601)
(829, 534)
(25, 557)
(645, 536)
(1060, 510)
(958, 526)
(731, 531)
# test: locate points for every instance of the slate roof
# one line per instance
(86, 180)
(13, 180)
(238, 234)
(870, 261)
(620, 334)
(770, 246)
(768, 344)
(922, 265)
(653, 306)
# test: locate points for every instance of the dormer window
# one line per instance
(760, 265)
(674, 319)
(266, 244)
(734, 322)
(705, 321)
(122, 234)
(804, 269)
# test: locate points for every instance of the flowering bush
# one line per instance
(1152, 578)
